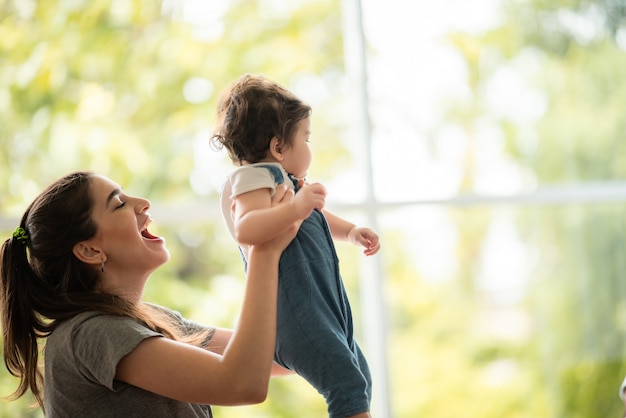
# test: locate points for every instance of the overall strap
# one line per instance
(278, 175)
(296, 182)
(275, 171)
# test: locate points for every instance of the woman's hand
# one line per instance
(282, 196)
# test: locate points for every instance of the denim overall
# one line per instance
(315, 330)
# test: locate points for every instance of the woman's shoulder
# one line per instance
(110, 336)
(94, 324)
(76, 321)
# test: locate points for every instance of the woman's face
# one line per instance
(127, 247)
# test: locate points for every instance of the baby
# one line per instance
(266, 129)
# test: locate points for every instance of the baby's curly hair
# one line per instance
(252, 112)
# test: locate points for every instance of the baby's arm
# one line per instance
(343, 230)
(256, 221)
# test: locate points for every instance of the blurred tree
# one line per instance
(565, 124)
(128, 89)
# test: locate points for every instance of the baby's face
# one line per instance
(297, 158)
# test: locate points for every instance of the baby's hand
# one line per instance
(365, 237)
(309, 197)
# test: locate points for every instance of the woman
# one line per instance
(74, 272)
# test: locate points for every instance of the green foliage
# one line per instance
(577, 285)
(584, 387)
(100, 85)
(128, 89)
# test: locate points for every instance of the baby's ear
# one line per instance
(276, 149)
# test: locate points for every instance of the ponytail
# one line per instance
(20, 324)
(33, 269)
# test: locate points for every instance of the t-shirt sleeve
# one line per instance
(100, 342)
(187, 326)
(192, 327)
(248, 178)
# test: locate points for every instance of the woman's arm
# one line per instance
(241, 374)
(220, 340)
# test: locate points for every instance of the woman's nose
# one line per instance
(142, 205)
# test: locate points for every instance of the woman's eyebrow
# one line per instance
(111, 195)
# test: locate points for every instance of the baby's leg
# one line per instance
(331, 367)
(314, 341)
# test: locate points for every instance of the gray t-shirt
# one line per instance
(80, 360)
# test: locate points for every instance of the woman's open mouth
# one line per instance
(147, 235)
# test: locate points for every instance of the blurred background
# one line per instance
(484, 140)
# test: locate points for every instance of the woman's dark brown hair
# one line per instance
(252, 112)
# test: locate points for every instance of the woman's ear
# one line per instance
(277, 148)
(88, 254)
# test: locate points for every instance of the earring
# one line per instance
(102, 266)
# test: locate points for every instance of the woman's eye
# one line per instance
(121, 205)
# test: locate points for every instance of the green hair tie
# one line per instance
(21, 235)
